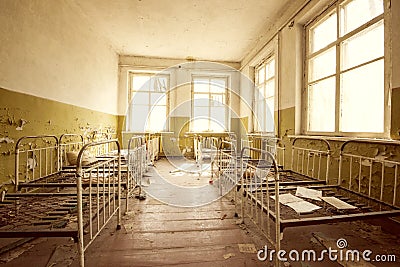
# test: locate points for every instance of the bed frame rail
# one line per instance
(311, 162)
(259, 203)
(136, 165)
(36, 157)
(104, 201)
(374, 176)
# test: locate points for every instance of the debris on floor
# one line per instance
(63, 255)
(247, 248)
(229, 255)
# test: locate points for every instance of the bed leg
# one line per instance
(81, 253)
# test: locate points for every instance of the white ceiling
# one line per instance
(222, 30)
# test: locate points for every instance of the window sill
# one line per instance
(343, 138)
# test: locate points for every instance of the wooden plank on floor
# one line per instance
(175, 216)
(149, 241)
(215, 255)
(185, 225)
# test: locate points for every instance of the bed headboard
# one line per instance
(371, 167)
(36, 157)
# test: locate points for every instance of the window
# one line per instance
(209, 104)
(264, 104)
(345, 69)
(148, 102)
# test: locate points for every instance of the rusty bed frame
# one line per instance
(310, 167)
(51, 202)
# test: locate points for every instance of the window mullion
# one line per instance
(338, 67)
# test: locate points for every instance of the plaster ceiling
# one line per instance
(222, 30)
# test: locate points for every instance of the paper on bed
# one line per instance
(296, 203)
(287, 198)
(308, 193)
(337, 203)
(303, 206)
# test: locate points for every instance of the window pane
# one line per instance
(160, 84)
(140, 98)
(261, 75)
(201, 101)
(140, 82)
(323, 33)
(355, 51)
(217, 100)
(260, 115)
(218, 115)
(218, 86)
(157, 119)
(270, 88)
(362, 99)
(139, 118)
(322, 65)
(270, 69)
(201, 112)
(357, 12)
(201, 85)
(321, 106)
(156, 98)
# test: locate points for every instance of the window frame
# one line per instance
(263, 64)
(131, 92)
(335, 7)
(227, 100)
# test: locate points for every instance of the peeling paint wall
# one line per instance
(22, 115)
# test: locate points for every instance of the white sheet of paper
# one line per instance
(296, 203)
(303, 206)
(337, 203)
(308, 193)
(287, 198)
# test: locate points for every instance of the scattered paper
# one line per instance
(337, 203)
(247, 248)
(299, 205)
(302, 207)
(308, 193)
(287, 198)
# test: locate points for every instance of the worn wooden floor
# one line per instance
(156, 234)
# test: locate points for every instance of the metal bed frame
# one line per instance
(137, 166)
(267, 213)
(267, 143)
(310, 168)
(260, 204)
(225, 167)
(59, 204)
(153, 148)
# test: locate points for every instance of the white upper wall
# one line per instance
(49, 50)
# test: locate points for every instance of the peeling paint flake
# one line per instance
(6, 140)
(21, 123)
